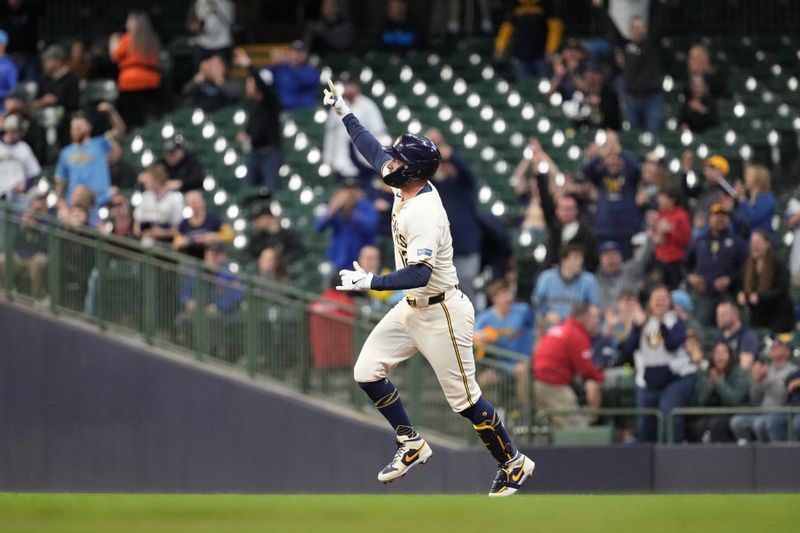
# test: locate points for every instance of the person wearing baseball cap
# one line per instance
(714, 262)
(295, 80)
(224, 297)
(714, 188)
(718, 163)
(21, 166)
(616, 276)
(184, 168)
(716, 170)
(767, 389)
(8, 71)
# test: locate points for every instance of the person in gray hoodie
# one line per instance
(767, 389)
(615, 276)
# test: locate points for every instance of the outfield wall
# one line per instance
(83, 411)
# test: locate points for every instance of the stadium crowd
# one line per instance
(674, 277)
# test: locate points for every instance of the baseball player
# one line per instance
(434, 318)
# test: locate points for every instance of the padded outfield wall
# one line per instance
(84, 411)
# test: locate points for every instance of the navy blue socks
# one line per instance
(491, 430)
(387, 401)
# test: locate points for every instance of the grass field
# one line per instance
(408, 514)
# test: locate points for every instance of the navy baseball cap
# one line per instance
(610, 246)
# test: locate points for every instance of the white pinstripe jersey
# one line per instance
(421, 234)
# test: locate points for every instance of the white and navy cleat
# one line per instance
(411, 451)
(511, 476)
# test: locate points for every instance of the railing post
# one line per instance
(8, 248)
(251, 328)
(100, 266)
(53, 267)
(670, 436)
(149, 297)
(201, 333)
(530, 403)
(415, 373)
(361, 328)
(306, 360)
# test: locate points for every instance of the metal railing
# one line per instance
(264, 328)
(547, 415)
(711, 411)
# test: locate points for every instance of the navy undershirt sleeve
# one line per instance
(413, 276)
(366, 143)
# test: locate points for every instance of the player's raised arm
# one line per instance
(364, 141)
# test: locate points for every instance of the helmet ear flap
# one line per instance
(420, 158)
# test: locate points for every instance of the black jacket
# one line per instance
(643, 71)
(65, 89)
(774, 309)
(263, 126)
(700, 122)
(584, 237)
(189, 172)
(284, 241)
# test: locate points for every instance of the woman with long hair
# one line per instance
(757, 203)
(136, 55)
(272, 266)
(724, 384)
(765, 286)
(665, 373)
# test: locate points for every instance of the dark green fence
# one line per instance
(264, 328)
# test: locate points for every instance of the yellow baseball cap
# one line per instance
(720, 163)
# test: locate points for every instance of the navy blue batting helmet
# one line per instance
(420, 159)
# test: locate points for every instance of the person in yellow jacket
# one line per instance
(529, 35)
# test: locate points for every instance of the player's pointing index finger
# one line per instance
(332, 87)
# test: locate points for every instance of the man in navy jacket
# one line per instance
(714, 262)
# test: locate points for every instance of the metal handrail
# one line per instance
(610, 411)
(701, 411)
(133, 246)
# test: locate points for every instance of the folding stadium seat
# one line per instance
(97, 91)
(27, 90)
(119, 295)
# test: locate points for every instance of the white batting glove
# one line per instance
(355, 280)
(335, 101)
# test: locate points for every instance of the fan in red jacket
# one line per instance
(564, 353)
(673, 232)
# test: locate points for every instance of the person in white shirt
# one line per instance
(157, 217)
(212, 21)
(337, 149)
(435, 317)
(18, 164)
